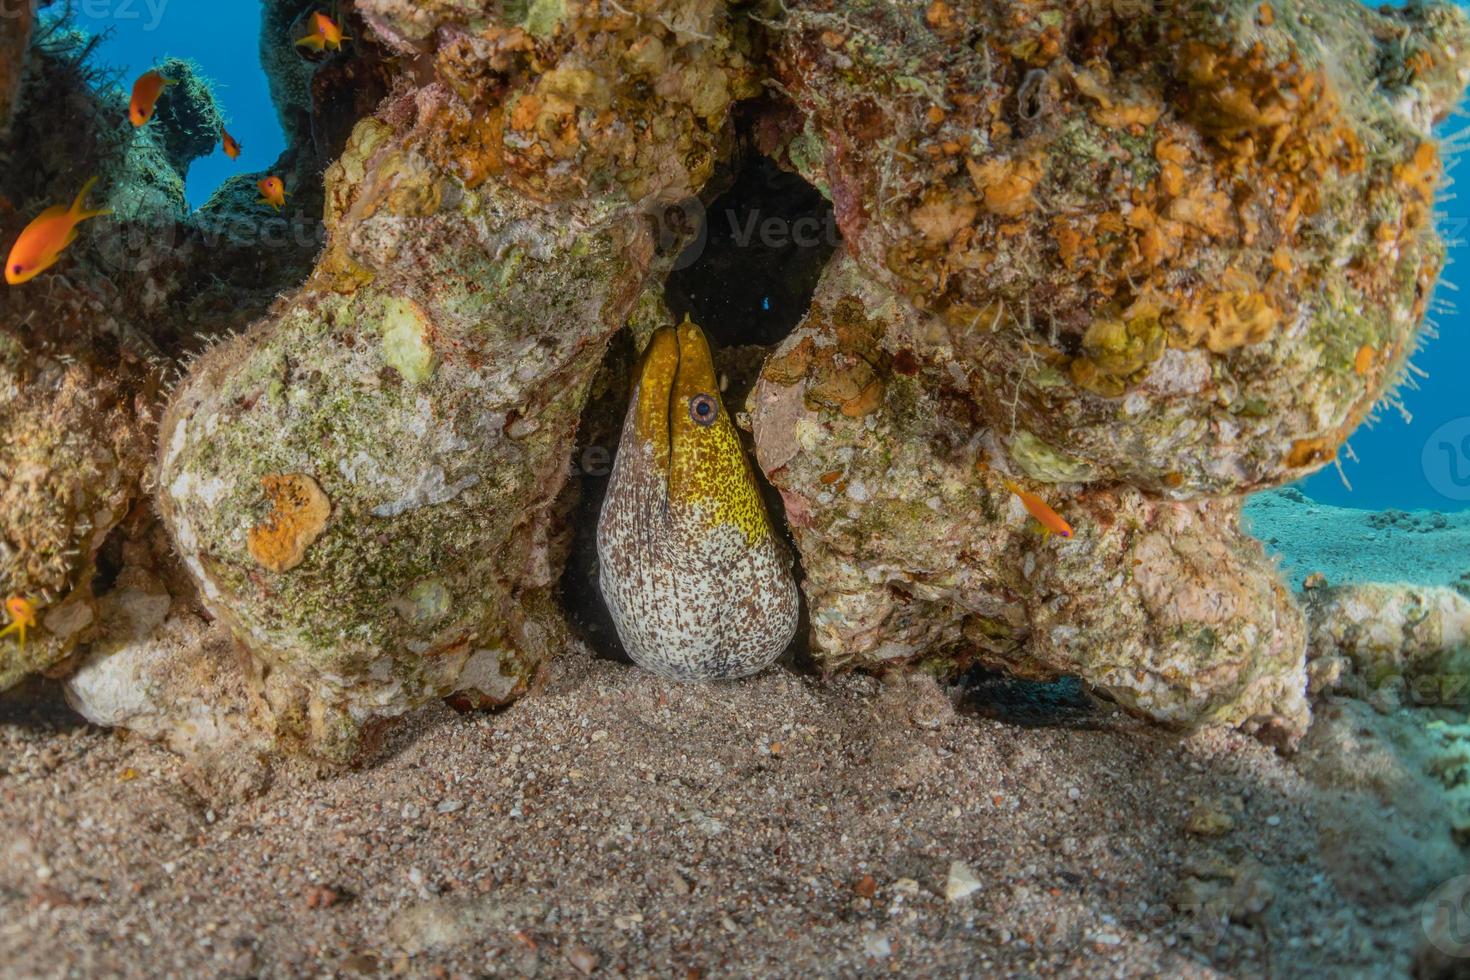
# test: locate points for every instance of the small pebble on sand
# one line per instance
(960, 882)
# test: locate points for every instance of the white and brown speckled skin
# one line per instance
(697, 582)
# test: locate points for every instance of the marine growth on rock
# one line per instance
(1105, 268)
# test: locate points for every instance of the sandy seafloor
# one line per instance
(1424, 547)
(786, 825)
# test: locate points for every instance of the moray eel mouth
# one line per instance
(697, 581)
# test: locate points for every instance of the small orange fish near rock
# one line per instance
(146, 90)
(272, 192)
(229, 144)
(1051, 522)
(326, 35)
(22, 617)
(41, 243)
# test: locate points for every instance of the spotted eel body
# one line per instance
(697, 582)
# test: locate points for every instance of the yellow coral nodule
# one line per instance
(299, 513)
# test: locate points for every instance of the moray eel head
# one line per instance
(697, 581)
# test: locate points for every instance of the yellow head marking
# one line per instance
(681, 415)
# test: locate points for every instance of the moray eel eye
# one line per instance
(703, 409)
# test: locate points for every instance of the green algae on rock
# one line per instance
(1165, 236)
(864, 426)
(84, 350)
(1390, 644)
(365, 485)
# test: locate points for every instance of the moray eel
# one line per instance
(698, 583)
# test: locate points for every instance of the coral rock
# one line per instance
(1391, 644)
(15, 38)
(573, 97)
(1160, 235)
(365, 485)
(1167, 607)
(161, 671)
(74, 450)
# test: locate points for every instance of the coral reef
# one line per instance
(1390, 644)
(1138, 262)
(75, 450)
(158, 668)
(188, 121)
(85, 351)
(1134, 264)
(1186, 247)
(366, 484)
(1167, 607)
(571, 98)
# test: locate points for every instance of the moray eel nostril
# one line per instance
(697, 580)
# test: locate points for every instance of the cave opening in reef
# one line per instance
(748, 264)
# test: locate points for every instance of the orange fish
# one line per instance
(44, 239)
(146, 90)
(325, 36)
(229, 144)
(1051, 522)
(272, 192)
(22, 617)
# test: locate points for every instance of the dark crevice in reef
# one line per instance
(37, 704)
(597, 441)
(749, 275)
(1062, 702)
(747, 278)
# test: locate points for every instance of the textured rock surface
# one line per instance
(1141, 262)
(569, 97)
(1186, 246)
(69, 471)
(160, 670)
(84, 348)
(15, 38)
(366, 484)
(1165, 606)
(1391, 644)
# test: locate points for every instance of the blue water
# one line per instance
(223, 38)
(1423, 463)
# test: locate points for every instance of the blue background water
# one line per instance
(1393, 467)
(222, 36)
